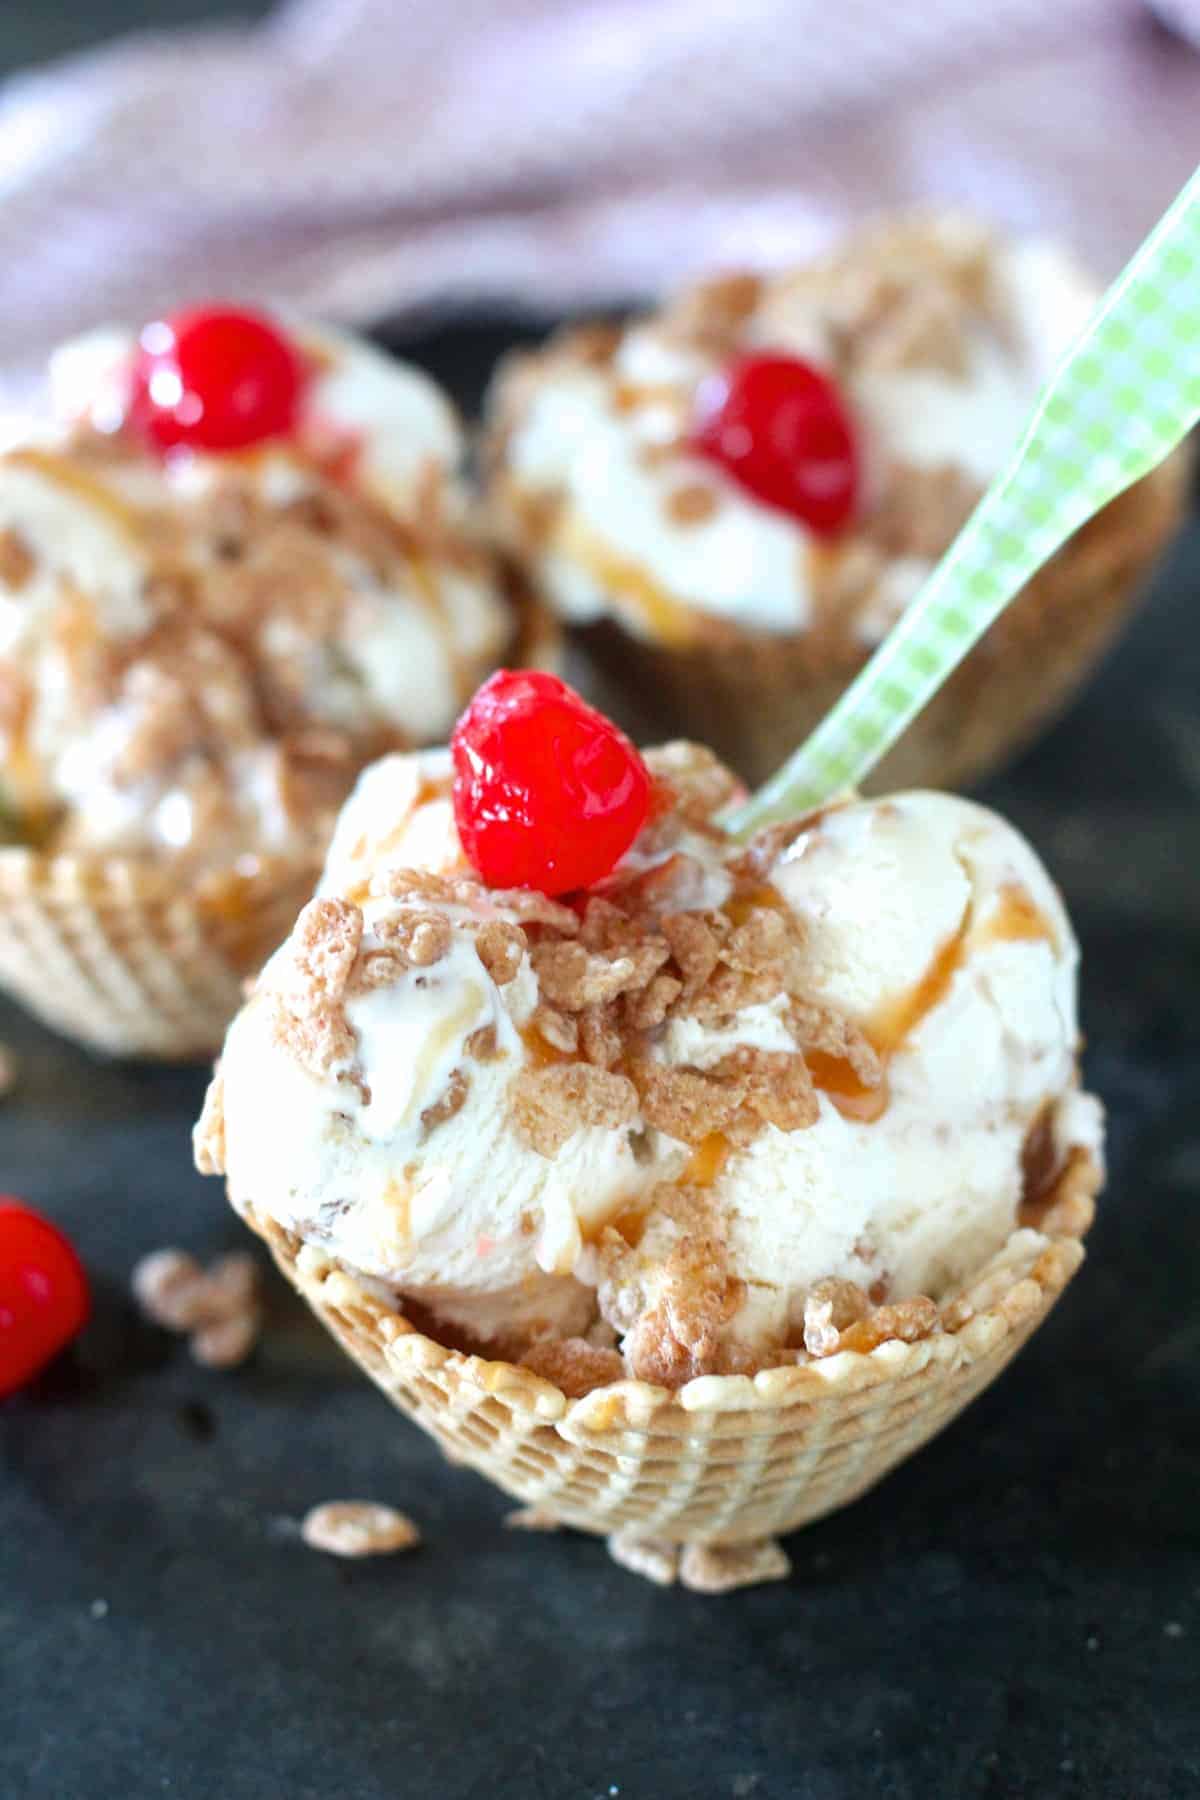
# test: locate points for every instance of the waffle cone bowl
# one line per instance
(120, 955)
(698, 1482)
(755, 696)
(131, 957)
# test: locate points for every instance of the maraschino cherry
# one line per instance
(44, 1300)
(548, 793)
(215, 378)
(780, 429)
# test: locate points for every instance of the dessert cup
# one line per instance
(131, 957)
(201, 652)
(687, 1208)
(703, 610)
(119, 955)
(755, 696)
(727, 1460)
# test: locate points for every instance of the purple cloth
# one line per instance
(362, 157)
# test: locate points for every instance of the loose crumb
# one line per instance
(227, 1343)
(531, 1518)
(358, 1528)
(170, 1287)
(218, 1308)
(720, 1568)
(830, 1307)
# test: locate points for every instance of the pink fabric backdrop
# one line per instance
(360, 157)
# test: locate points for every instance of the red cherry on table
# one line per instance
(780, 429)
(215, 378)
(44, 1300)
(548, 793)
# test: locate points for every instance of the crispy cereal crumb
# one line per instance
(226, 1343)
(500, 946)
(482, 1044)
(651, 1558)
(680, 1337)
(450, 1102)
(558, 1029)
(531, 1518)
(16, 560)
(326, 940)
(829, 1307)
(685, 1103)
(428, 940)
(233, 1283)
(599, 1040)
(171, 1288)
(358, 1528)
(691, 504)
(550, 1105)
(573, 1365)
(906, 1320)
(720, 1568)
(218, 1307)
(698, 782)
(572, 977)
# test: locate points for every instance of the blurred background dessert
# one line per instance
(209, 622)
(235, 564)
(734, 499)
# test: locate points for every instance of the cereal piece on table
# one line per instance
(226, 1343)
(171, 1288)
(358, 1528)
(531, 1518)
(720, 1568)
(649, 1557)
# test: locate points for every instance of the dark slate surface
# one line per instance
(1016, 1612)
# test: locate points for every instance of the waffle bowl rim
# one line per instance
(215, 947)
(1140, 521)
(1039, 1262)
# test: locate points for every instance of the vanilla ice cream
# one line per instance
(939, 337)
(673, 1121)
(198, 651)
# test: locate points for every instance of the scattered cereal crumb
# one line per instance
(99, 1609)
(656, 1561)
(217, 1307)
(719, 1568)
(169, 1285)
(531, 1518)
(831, 1306)
(358, 1528)
(227, 1343)
(1173, 1629)
(573, 1365)
(17, 561)
(691, 504)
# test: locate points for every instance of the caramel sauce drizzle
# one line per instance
(1016, 918)
(65, 473)
(662, 616)
(704, 1166)
(540, 1052)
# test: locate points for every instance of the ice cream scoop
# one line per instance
(200, 644)
(236, 565)
(658, 1120)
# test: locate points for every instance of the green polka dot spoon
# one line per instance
(1123, 397)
